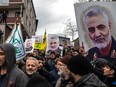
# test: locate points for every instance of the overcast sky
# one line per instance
(52, 14)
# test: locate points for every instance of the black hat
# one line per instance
(100, 62)
(52, 52)
(65, 59)
(38, 81)
(79, 65)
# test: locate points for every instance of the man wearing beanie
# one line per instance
(63, 71)
(65, 59)
(81, 73)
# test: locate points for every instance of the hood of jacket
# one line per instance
(10, 55)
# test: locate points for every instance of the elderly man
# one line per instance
(36, 79)
(98, 25)
(31, 66)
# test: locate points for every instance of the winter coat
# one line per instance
(90, 80)
(14, 77)
(63, 83)
(37, 80)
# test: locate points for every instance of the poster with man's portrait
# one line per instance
(53, 44)
(29, 45)
(64, 40)
(97, 28)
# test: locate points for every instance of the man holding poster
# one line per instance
(98, 25)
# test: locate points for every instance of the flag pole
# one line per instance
(21, 11)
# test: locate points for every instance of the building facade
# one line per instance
(24, 11)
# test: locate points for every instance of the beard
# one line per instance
(63, 74)
(30, 72)
(54, 48)
(103, 44)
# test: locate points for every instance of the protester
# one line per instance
(54, 73)
(20, 63)
(10, 74)
(63, 71)
(98, 65)
(81, 73)
(51, 61)
(42, 70)
(31, 66)
(35, 53)
(110, 72)
(38, 81)
(34, 70)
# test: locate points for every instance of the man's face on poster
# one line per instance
(28, 44)
(53, 44)
(99, 30)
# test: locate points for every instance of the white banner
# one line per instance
(16, 39)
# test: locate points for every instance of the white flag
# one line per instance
(16, 40)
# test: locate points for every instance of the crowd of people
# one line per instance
(38, 69)
(74, 68)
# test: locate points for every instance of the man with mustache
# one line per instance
(98, 25)
(31, 66)
(35, 78)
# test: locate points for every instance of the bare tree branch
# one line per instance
(70, 29)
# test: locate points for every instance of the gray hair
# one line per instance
(54, 37)
(32, 58)
(94, 11)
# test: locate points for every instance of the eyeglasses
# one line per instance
(1, 53)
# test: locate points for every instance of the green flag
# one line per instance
(16, 40)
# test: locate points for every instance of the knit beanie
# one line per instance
(65, 59)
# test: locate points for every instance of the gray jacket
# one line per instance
(90, 80)
(14, 77)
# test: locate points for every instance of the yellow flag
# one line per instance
(41, 46)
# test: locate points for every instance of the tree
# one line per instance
(70, 29)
